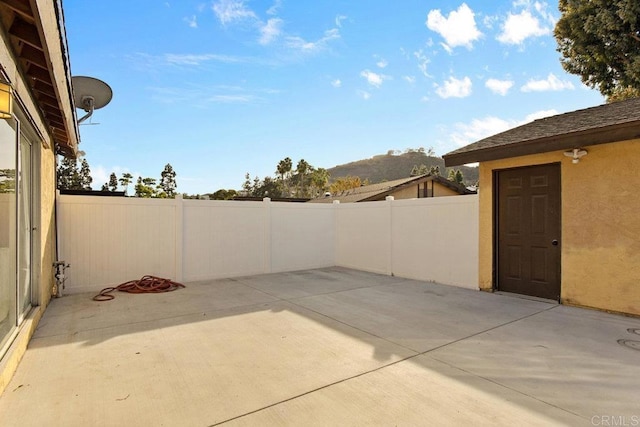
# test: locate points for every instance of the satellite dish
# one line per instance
(90, 94)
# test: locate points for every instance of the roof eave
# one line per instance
(603, 135)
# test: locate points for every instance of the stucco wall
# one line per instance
(412, 192)
(600, 225)
(406, 193)
(46, 226)
(441, 190)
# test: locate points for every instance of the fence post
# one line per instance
(179, 230)
(267, 268)
(389, 200)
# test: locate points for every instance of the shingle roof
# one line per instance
(381, 190)
(596, 125)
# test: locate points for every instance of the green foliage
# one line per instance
(85, 175)
(70, 177)
(456, 176)
(600, 41)
(223, 194)
(305, 181)
(125, 180)
(168, 184)
(145, 187)
(622, 93)
(113, 182)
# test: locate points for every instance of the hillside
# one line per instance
(387, 167)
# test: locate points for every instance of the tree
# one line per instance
(345, 183)
(622, 93)
(456, 176)
(105, 187)
(302, 170)
(284, 170)
(84, 175)
(434, 170)
(145, 187)
(113, 182)
(68, 174)
(419, 170)
(600, 41)
(223, 194)
(168, 181)
(125, 180)
(319, 180)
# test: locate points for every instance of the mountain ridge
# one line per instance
(390, 166)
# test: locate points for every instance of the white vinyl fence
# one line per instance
(110, 240)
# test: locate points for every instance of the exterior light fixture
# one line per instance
(576, 154)
(6, 101)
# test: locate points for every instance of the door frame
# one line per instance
(496, 230)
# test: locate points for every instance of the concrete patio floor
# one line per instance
(324, 347)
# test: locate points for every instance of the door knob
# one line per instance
(554, 242)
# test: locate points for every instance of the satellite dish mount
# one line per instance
(90, 94)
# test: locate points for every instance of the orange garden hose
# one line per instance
(146, 285)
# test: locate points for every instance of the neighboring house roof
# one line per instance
(618, 121)
(37, 37)
(380, 191)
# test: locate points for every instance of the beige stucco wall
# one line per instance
(47, 224)
(412, 192)
(406, 193)
(45, 234)
(600, 225)
(441, 190)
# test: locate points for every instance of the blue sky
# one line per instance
(220, 88)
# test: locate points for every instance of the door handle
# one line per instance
(554, 242)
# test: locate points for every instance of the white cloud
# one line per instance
(336, 83)
(467, 133)
(455, 88)
(339, 20)
(409, 79)
(501, 87)
(197, 59)
(273, 10)
(551, 83)
(299, 43)
(538, 115)
(423, 61)
(192, 21)
(458, 29)
(382, 63)
(519, 27)
(270, 31)
(228, 11)
(364, 94)
(374, 79)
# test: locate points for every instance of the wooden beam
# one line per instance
(21, 8)
(46, 98)
(39, 73)
(25, 32)
(34, 56)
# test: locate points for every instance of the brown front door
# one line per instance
(528, 226)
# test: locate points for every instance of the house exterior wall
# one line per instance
(44, 187)
(600, 242)
(413, 191)
(407, 193)
(441, 191)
